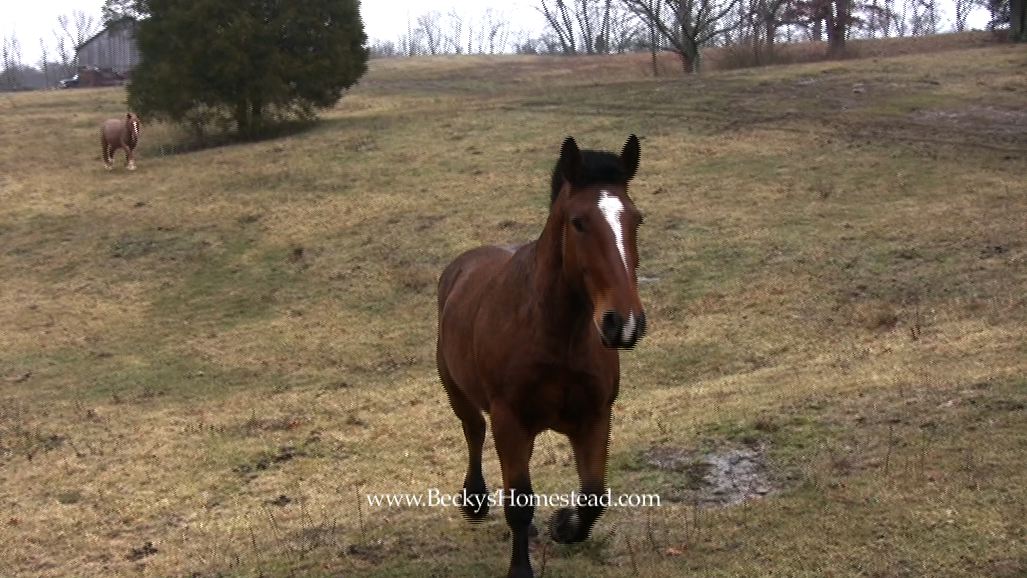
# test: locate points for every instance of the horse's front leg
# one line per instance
(591, 447)
(514, 445)
(130, 158)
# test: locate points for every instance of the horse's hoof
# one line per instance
(476, 506)
(475, 513)
(520, 572)
(532, 531)
(564, 526)
(131, 167)
(108, 167)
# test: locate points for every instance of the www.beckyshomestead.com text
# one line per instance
(434, 498)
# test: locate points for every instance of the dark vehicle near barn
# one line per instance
(93, 77)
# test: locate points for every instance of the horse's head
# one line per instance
(132, 128)
(600, 224)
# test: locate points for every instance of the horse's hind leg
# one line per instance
(108, 155)
(475, 504)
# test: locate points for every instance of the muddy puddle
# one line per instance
(716, 478)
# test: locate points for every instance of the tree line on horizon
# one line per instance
(683, 27)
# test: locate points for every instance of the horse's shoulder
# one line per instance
(471, 266)
(484, 257)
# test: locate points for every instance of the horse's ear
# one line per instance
(630, 155)
(570, 160)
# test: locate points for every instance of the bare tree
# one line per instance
(883, 16)
(839, 17)
(962, 10)
(757, 26)
(44, 63)
(654, 35)
(582, 26)
(10, 58)
(429, 28)
(74, 30)
(768, 15)
(687, 25)
(999, 11)
(924, 18)
(594, 23)
(496, 32)
(1017, 20)
(559, 20)
(453, 42)
(433, 33)
(64, 55)
(625, 32)
(835, 17)
(383, 48)
(877, 17)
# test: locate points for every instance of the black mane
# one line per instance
(597, 168)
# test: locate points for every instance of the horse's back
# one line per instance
(462, 287)
(112, 129)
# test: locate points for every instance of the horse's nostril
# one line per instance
(612, 322)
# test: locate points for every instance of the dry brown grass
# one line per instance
(206, 364)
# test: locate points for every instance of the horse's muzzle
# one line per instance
(616, 331)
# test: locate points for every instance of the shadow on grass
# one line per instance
(179, 139)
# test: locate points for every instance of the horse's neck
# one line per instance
(127, 136)
(557, 301)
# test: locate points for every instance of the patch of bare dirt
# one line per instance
(986, 119)
(722, 477)
(136, 554)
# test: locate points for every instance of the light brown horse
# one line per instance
(531, 336)
(120, 133)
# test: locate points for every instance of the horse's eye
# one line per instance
(579, 224)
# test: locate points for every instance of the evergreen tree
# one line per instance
(250, 61)
(116, 9)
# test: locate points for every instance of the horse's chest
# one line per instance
(560, 398)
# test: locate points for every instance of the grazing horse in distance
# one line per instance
(530, 335)
(118, 133)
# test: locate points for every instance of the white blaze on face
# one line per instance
(612, 207)
(629, 328)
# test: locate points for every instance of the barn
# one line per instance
(112, 49)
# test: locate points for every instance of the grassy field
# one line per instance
(206, 364)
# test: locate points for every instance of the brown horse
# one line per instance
(530, 335)
(117, 133)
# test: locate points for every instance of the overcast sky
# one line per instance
(30, 20)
